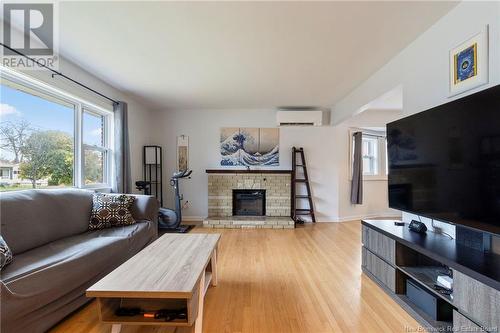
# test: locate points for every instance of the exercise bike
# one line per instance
(170, 220)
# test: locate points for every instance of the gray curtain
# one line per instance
(123, 183)
(357, 170)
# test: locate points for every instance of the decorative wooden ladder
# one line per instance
(296, 212)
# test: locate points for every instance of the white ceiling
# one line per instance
(239, 54)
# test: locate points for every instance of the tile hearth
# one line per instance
(249, 222)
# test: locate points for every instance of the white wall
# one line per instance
(326, 150)
(422, 68)
(140, 117)
(203, 129)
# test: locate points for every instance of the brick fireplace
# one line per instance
(270, 188)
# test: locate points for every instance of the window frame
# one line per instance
(373, 155)
(43, 90)
(105, 149)
(381, 158)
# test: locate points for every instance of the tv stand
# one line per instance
(393, 254)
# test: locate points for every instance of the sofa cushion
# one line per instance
(5, 253)
(33, 218)
(111, 211)
(45, 274)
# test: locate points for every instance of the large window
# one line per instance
(374, 153)
(51, 139)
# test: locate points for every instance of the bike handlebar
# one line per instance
(182, 174)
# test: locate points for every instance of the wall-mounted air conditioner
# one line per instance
(299, 117)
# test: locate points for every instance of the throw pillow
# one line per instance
(111, 211)
(5, 253)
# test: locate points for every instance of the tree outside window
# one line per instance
(38, 140)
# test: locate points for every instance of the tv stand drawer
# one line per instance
(463, 324)
(379, 244)
(382, 271)
(480, 302)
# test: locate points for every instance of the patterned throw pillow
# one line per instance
(111, 211)
(5, 253)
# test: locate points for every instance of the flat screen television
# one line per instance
(444, 163)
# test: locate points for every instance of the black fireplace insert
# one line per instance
(249, 202)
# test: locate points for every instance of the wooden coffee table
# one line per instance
(174, 272)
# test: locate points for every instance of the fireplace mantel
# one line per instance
(248, 171)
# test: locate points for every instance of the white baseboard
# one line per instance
(319, 219)
(367, 216)
(326, 219)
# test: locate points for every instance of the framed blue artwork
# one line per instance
(469, 64)
(466, 63)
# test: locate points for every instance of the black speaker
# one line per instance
(417, 226)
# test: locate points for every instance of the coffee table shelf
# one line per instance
(108, 306)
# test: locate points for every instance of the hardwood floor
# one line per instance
(303, 280)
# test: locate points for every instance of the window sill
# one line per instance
(98, 188)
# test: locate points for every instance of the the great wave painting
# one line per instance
(249, 146)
